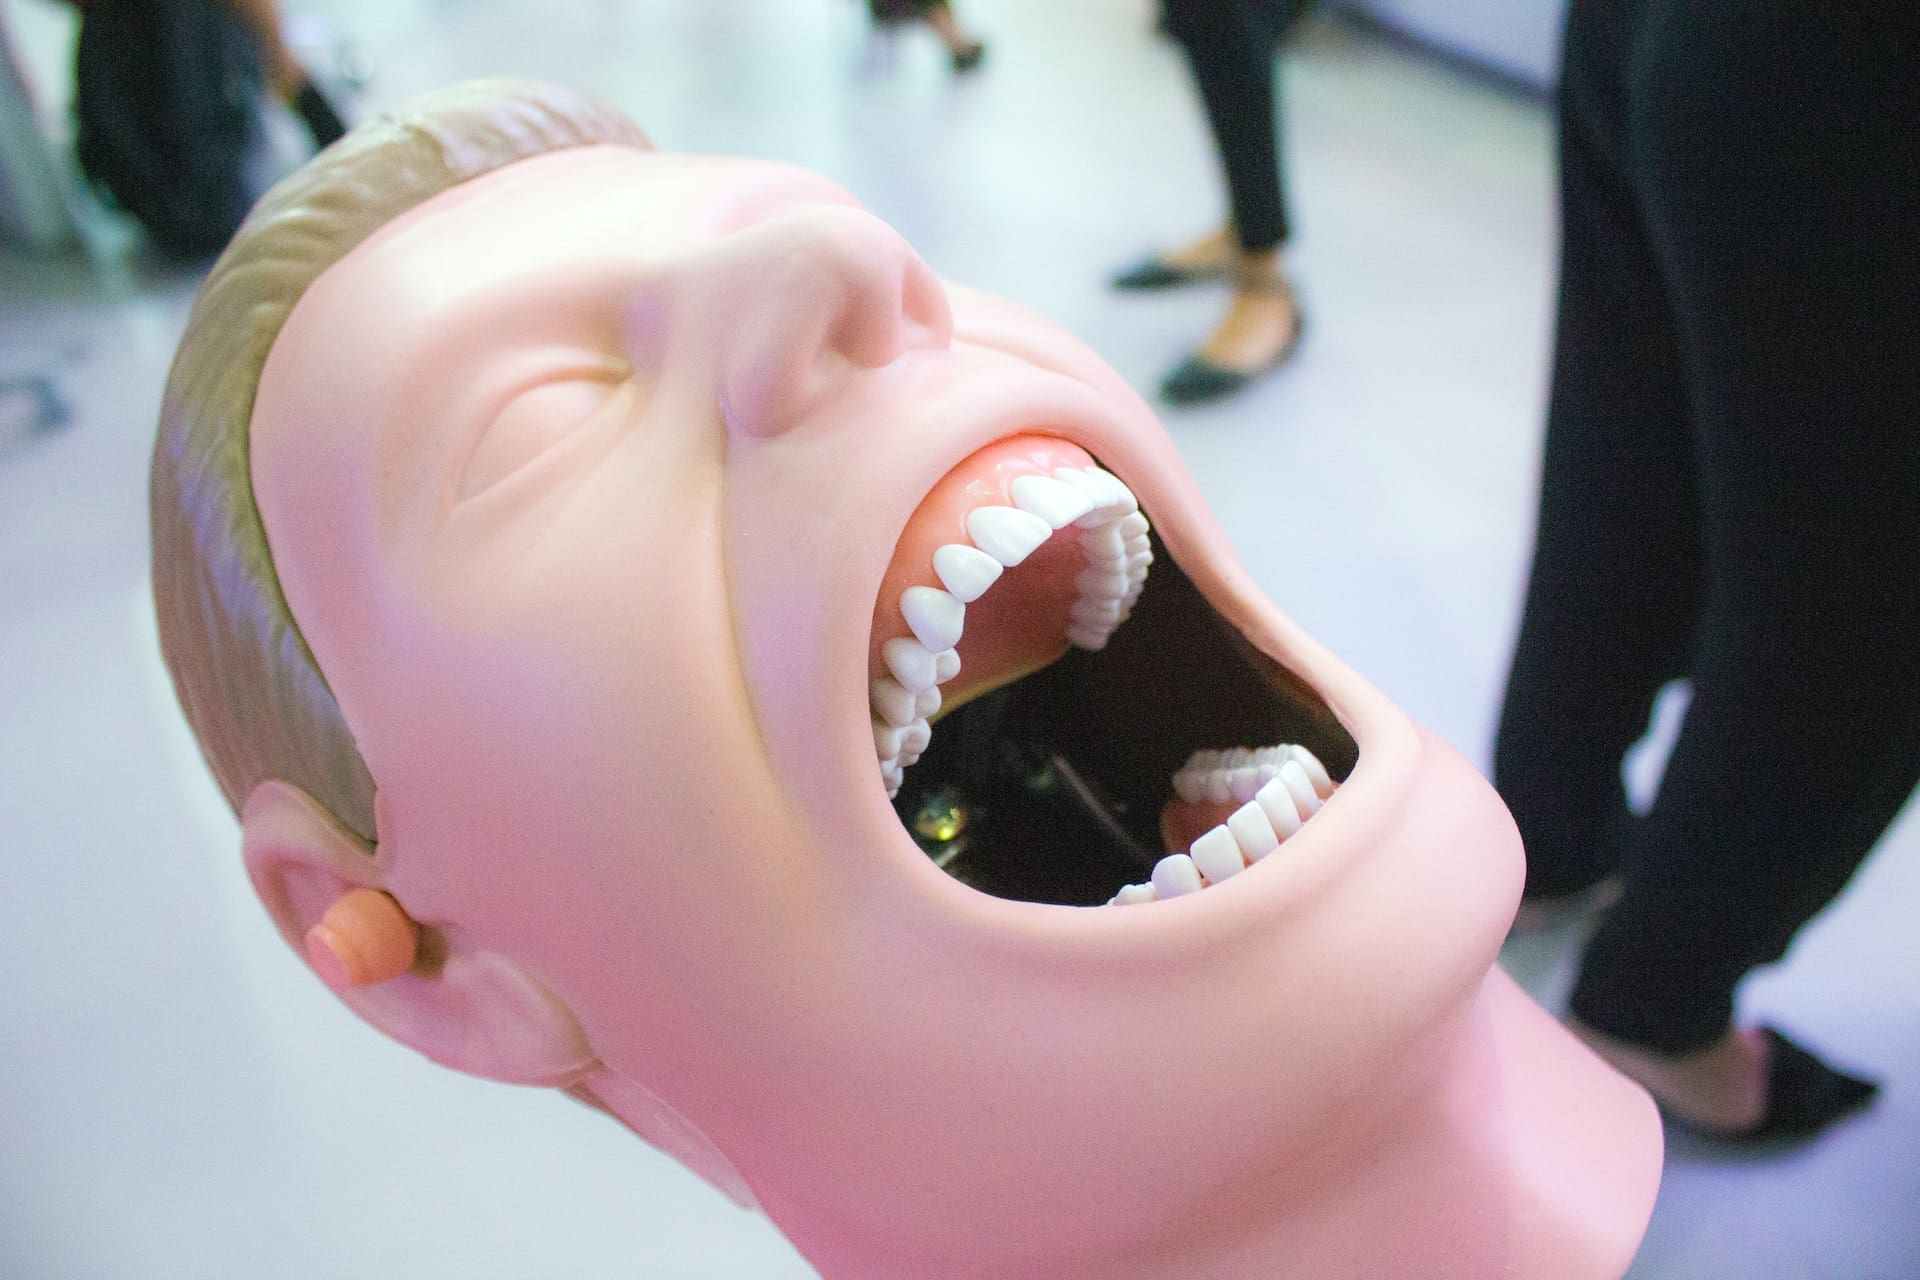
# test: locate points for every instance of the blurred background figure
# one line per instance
(1731, 494)
(1230, 44)
(963, 50)
(167, 99)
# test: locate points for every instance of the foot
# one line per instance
(1749, 1085)
(1259, 328)
(1209, 258)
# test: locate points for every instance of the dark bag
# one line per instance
(167, 95)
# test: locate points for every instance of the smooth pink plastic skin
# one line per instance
(581, 480)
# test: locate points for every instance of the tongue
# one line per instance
(1020, 624)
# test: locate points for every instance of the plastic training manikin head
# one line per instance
(667, 644)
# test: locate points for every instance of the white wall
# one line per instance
(1520, 38)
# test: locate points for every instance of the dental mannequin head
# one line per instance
(561, 550)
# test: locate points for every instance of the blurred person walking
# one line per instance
(963, 50)
(1731, 495)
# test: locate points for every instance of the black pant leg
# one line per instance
(1230, 46)
(1614, 583)
(1775, 145)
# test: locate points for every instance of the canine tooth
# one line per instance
(912, 663)
(1315, 771)
(1092, 639)
(892, 700)
(887, 739)
(1132, 894)
(1217, 856)
(1008, 534)
(1252, 832)
(926, 702)
(966, 571)
(1243, 782)
(935, 617)
(1277, 803)
(1097, 580)
(1295, 780)
(1054, 501)
(946, 665)
(1174, 875)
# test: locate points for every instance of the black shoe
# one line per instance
(1153, 273)
(1804, 1096)
(322, 121)
(1197, 380)
(968, 57)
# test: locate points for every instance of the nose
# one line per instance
(809, 299)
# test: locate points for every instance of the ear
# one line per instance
(470, 1009)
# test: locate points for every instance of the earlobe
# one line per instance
(420, 982)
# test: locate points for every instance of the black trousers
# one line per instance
(1731, 488)
(1230, 46)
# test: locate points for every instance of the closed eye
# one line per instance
(536, 420)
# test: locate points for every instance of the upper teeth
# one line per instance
(1113, 541)
(1280, 788)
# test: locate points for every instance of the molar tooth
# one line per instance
(1206, 758)
(1215, 783)
(966, 571)
(892, 700)
(1095, 613)
(1174, 875)
(926, 702)
(1300, 787)
(892, 776)
(1092, 639)
(1276, 801)
(1315, 771)
(1097, 580)
(946, 665)
(1133, 525)
(1054, 501)
(1252, 832)
(912, 663)
(1234, 757)
(936, 618)
(886, 741)
(1008, 534)
(914, 738)
(1188, 785)
(1104, 545)
(1243, 782)
(1217, 856)
(1133, 894)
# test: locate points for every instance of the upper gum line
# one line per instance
(1112, 535)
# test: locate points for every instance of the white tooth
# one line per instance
(1217, 856)
(912, 663)
(1295, 780)
(1234, 757)
(1008, 534)
(1104, 545)
(1277, 803)
(1095, 613)
(946, 665)
(914, 738)
(1134, 894)
(892, 700)
(936, 618)
(926, 702)
(1174, 875)
(1252, 832)
(966, 571)
(1243, 782)
(1057, 503)
(1133, 526)
(1207, 758)
(1096, 580)
(886, 740)
(892, 777)
(1189, 787)
(1216, 786)
(1316, 772)
(1116, 492)
(1090, 638)
(1138, 558)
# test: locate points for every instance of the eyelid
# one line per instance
(534, 418)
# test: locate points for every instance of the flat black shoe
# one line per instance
(322, 121)
(1197, 380)
(1804, 1096)
(1152, 273)
(968, 58)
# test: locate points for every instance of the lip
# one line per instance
(1125, 439)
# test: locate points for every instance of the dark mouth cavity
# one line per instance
(1050, 789)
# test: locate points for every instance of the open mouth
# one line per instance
(1059, 714)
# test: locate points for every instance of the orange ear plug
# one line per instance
(363, 939)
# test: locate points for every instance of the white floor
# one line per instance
(177, 1099)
